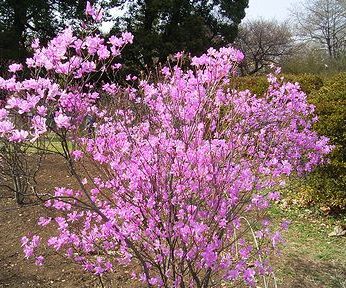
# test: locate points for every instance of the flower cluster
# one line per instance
(62, 85)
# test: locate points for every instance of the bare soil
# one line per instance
(17, 221)
(310, 259)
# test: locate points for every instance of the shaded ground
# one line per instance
(16, 222)
(310, 258)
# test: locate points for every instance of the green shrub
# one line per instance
(326, 186)
(256, 84)
(330, 102)
(311, 61)
(308, 82)
(259, 84)
(314, 62)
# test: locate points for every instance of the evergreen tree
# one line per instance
(162, 27)
(20, 20)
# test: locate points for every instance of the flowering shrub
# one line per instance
(187, 166)
(62, 85)
(57, 98)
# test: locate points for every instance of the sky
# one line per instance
(270, 9)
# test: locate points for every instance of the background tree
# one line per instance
(263, 43)
(324, 23)
(165, 27)
(20, 20)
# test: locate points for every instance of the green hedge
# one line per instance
(256, 84)
(329, 181)
(326, 186)
(259, 84)
(308, 82)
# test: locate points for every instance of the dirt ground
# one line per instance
(17, 221)
(309, 260)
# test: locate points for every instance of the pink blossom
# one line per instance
(39, 261)
(91, 11)
(62, 121)
(15, 67)
(44, 221)
(6, 126)
(18, 135)
(274, 196)
(39, 125)
(42, 111)
(3, 114)
(103, 52)
(28, 251)
(276, 239)
(77, 154)
(24, 240)
(35, 44)
(178, 55)
(115, 41)
(29, 247)
(285, 224)
(249, 276)
(127, 37)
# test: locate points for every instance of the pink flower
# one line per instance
(103, 52)
(115, 41)
(178, 55)
(209, 256)
(19, 135)
(35, 241)
(127, 37)
(29, 246)
(274, 196)
(98, 15)
(62, 121)
(6, 126)
(286, 167)
(39, 125)
(42, 111)
(24, 240)
(77, 154)
(39, 261)
(3, 114)
(35, 44)
(99, 270)
(285, 224)
(72, 217)
(44, 221)
(116, 66)
(277, 239)
(15, 67)
(28, 251)
(90, 10)
(249, 276)
(153, 281)
(93, 44)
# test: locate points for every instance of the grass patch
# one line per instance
(310, 258)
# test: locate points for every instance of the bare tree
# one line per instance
(322, 22)
(264, 42)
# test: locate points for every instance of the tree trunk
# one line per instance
(19, 25)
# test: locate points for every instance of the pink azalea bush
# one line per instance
(51, 98)
(186, 170)
(61, 87)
